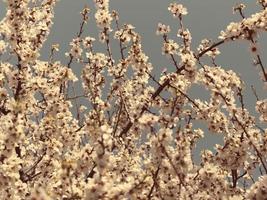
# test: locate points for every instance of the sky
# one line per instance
(205, 19)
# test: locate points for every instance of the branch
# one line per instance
(155, 175)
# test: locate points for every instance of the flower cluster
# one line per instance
(189, 62)
(170, 47)
(258, 190)
(235, 149)
(88, 42)
(220, 82)
(76, 50)
(261, 107)
(126, 34)
(103, 19)
(185, 35)
(93, 79)
(247, 28)
(210, 176)
(205, 43)
(122, 137)
(177, 10)
(163, 29)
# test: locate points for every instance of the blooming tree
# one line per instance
(136, 140)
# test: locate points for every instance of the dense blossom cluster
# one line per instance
(258, 190)
(131, 139)
(248, 27)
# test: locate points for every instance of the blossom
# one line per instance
(240, 7)
(258, 190)
(177, 9)
(115, 15)
(163, 29)
(55, 47)
(148, 119)
(76, 50)
(261, 107)
(121, 136)
(126, 34)
(170, 47)
(103, 18)
(87, 42)
(188, 60)
(185, 34)
(205, 43)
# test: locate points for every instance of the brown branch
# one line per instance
(157, 92)
(84, 20)
(91, 173)
(210, 48)
(19, 85)
(30, 174)
(239, 93)
(234, 177)
(173, 166)
(155, 175)
(172, 57)
(189, 99)
(108, 46)
(255, 148)
(255, 92)
(121, 47)
(254, 42)
(118, 118)
(240, 176)
(77, 130)
(262, 67)
(174, 105)
(4, 110)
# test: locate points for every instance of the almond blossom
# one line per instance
(128, 138)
